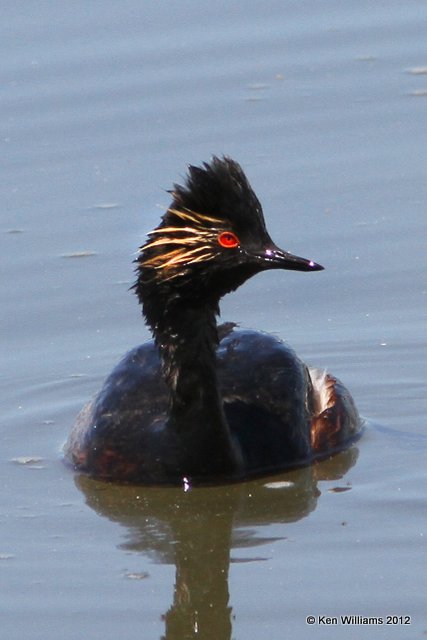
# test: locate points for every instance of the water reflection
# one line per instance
(195, 531)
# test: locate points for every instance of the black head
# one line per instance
(211, 239)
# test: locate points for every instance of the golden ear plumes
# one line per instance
(196, 242)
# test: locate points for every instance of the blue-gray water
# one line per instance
(102, 106)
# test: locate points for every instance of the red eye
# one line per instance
(228, 240)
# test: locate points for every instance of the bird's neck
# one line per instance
(187, 339)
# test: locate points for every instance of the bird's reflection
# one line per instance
(195, 530)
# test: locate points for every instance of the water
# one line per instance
(324, 105)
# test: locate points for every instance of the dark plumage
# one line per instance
(203, 403)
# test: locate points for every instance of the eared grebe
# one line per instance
(203, 403)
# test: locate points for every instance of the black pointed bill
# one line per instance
(275, 258)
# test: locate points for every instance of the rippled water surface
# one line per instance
(103, 105)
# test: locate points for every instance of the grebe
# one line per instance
(203, 403)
